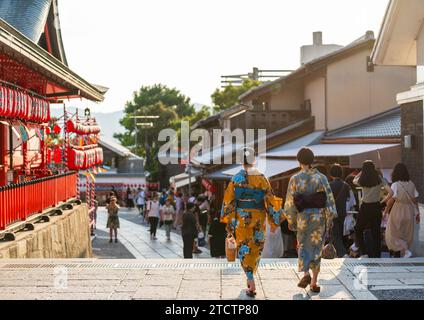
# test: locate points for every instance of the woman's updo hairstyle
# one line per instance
(249, 156)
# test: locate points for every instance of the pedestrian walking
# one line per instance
(342, 193)
(403, 212)
(153, 213)
(247, 204)
(93, 216)
(189, 231)
(368, 224)
(196, 212)
(310, 209)
(179, 203)
(141, 201)
(129, 199)
(217, 235)
(205, 208)
(113, 219)
(167, 216)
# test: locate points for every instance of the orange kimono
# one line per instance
(248, 201)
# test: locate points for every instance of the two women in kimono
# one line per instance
(249, 201)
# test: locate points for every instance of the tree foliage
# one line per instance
(228, 97)
(158, 100)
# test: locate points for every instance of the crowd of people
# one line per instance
(191, 216)
(359, 212)
(361, 215)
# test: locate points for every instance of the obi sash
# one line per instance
(249, 198)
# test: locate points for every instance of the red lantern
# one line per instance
(56, 129)
(48, 130)
(57, 155)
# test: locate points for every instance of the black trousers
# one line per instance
(337, 232)
(368, 229)
(188, 241)
(153, 225)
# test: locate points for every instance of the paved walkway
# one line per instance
(205, 279)
(135, 238)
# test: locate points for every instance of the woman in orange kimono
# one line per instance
(248, 201)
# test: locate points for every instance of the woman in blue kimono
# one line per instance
(310, 209)
(248, 202)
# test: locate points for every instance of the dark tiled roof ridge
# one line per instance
(364, 121)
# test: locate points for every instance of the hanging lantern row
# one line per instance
(84, 159)
(82, 129)
(21, 105)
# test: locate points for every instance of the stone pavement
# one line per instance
(89, 279)
(136, 239)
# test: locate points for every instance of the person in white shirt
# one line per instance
(141, 201)
(153, 212)
(403, 212)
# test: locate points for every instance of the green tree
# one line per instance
(150, 95)
(158, 100)
(228, 97)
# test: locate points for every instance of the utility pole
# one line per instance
(136, 125)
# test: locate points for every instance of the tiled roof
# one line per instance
(27, 16)
(30, 17)
(117, 148)
(384, 125)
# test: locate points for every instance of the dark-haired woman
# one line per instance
(310, 210)
(403, 215)
(370, 212)
(248, 202)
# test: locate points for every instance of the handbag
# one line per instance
(201, 242)
(230, 248)
(329, 252)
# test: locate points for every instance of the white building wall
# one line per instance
(420, 57)
(315, 91)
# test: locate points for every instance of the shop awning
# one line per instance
(185, 182)
(182, 179)
(270, 168)
(384, 155)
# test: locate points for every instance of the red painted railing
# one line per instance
(20, 201)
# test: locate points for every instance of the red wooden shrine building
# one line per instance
(34, 74)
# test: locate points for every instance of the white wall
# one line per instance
(354, 94)
(420, 57)
(315, 91)
(290, 98)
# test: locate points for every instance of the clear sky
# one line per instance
(189, 44)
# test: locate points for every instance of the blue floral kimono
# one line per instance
(311, 224)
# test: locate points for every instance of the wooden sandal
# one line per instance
(315, 289)
(249, 292)
(305, 281)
